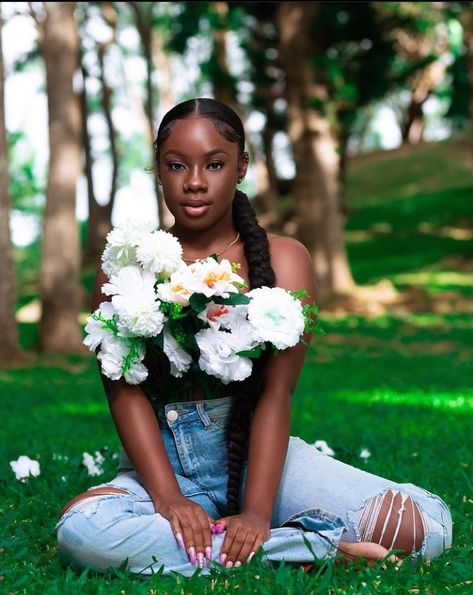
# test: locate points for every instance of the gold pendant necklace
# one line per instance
(218, 253)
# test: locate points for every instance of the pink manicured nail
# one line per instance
(237, 563)
(208, 552)
(250, 556)
(217, 529)
(180, 541)
(200, 560)
(229, 565)
(192, 557)
(223, 558)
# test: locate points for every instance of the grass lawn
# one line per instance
(398, 385)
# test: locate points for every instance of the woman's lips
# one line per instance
(196, 210)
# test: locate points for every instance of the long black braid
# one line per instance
(255, 241)
(246, 393)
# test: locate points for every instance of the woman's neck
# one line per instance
(202, 243)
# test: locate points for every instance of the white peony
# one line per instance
(276, 316)
(96, 329)
(159, 252)
(120, 250)
(25, 467)
(213, 278)
(223, 316)
(179, 359)
(218, 353)
(135, 302)
(112, 356)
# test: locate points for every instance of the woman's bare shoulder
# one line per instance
(291, 263)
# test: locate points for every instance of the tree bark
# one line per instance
(316, 186)
(9, 348)
(60, 266)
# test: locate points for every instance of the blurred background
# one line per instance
(358, 116)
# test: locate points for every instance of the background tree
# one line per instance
(9, 348)
(60, 265)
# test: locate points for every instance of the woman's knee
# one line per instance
(397, 520)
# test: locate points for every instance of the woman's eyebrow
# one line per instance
(209, 154)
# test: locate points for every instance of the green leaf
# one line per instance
(251, 353)
(198, 302)
(235, 299)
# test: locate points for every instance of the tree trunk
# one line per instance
(316, 187)
(60, 266)
(144, 24)
(100, 216)
(9, 349)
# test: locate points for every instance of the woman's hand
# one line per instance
(245, 533)
(191, 527)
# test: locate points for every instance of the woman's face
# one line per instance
(199, 170)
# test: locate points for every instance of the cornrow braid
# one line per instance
(246, 393)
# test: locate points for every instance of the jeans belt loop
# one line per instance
(200, 408)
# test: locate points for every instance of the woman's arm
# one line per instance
(269, 432)
(140, 435)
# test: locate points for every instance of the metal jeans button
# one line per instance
(172, 415)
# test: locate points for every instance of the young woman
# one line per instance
(215, 479)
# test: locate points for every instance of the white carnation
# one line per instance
(112, 356)
(135, 302)
(179, 359)
(25, 467)
(275, 316)
(218, 354)
(96, 330)
(213, 278)
(120, 250)
(159, 252)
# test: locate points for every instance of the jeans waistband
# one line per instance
(174, 413)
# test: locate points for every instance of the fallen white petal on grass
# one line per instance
(24, 467)
(324, 448)
(93, 464)
(365, 454)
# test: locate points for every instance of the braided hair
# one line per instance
(256, 248)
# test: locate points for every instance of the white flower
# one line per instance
(93, 464)
(223, 316)
(179, 359)
(25, 467)
(213, 278)
(159, 252)
(218, 354)
(176, 289)
(323, 448)
(276, 316)
(120, 250)
(135, 301)
(365, 454)
(96, 330)
(111, 357)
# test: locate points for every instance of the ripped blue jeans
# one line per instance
(320, 502)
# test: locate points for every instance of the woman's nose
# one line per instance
(195, 181)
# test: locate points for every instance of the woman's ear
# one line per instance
(243, 166)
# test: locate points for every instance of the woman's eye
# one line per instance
(215, 165)
(175, 166)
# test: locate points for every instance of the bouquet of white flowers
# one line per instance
(193, 316)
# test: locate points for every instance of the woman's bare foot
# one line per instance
(364, 549)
